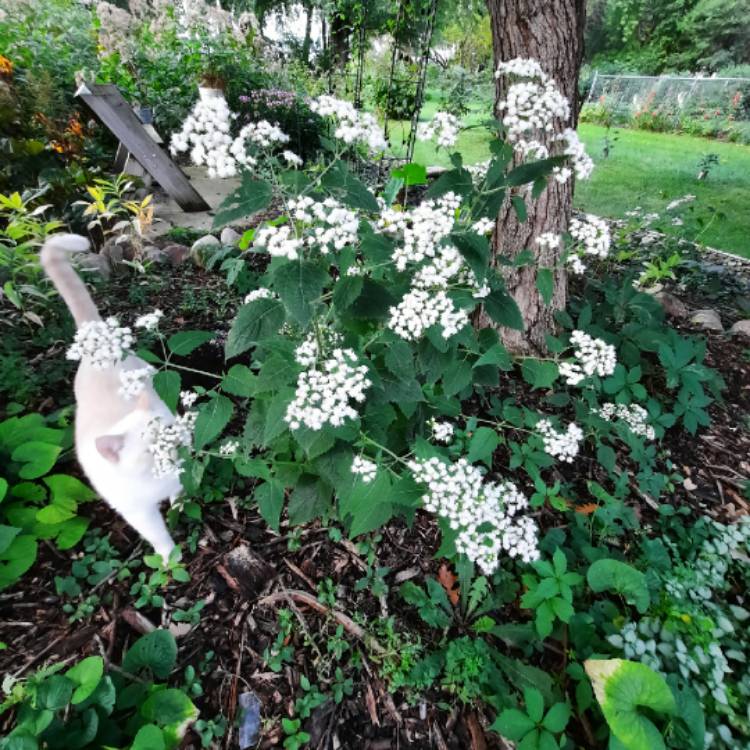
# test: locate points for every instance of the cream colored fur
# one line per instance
(108, 428)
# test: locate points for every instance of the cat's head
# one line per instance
(127, 445)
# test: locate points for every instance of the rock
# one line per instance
(154, 254)
(249, 729)
(117, 249)
(708, 319)
(205, 242)
(673, 306)
(741, 328)
(176, 254)
(229, 236)
(95, 263)
(179, 629)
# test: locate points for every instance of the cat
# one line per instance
(109, 428)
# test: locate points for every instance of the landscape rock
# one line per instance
(176, 254)
(741, 328)
(249, 729)
(154, 254)
(95, 263)
(229, 236)
(708, 319)
(205, 242)
(673, 306)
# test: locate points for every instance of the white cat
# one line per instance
(109, 428)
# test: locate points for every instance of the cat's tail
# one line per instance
(55, 259)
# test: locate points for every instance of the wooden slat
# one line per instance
(107, 103)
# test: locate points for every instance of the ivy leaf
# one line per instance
(613, 575)
(299, 284)
(213, 417)
(249, 198)
(255, 321)
(502, 308)
(185, 342)
(167, 384)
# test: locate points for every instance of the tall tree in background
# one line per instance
(552, 33)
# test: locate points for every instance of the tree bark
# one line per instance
(552, 33)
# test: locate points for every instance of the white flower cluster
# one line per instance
(483, 226)
(420, 309)
(478, 171)
(229, 448)
(548, 240)
(165, 439)
(188, 398)
(443, 128)
(533, 109)
(261, 134)
(308, 351)
(322, 395)
(561, 445)
(441, 431)
(485, 515)
(132, 382)
(336, 225)
(353, 126)
(591, 236)
(205, 133)
(100, 343)
(364, 468)
(634, 416)
(594, 357)
(292, 159)
(149, 321)
(260, 293)
(279, 241)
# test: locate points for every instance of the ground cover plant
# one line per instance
(441, 489)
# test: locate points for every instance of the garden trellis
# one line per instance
(626, 95)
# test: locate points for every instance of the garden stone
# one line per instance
(741, 327)
(176, 254)
(205, 242)
(229, 236)
(154, 254)
(95, 263)
(673, 306)
(708, 319)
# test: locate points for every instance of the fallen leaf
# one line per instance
(448, 581)
(587, 509)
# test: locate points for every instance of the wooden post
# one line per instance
(108, 104)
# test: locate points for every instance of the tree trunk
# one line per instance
(307, 41)
(552, 33)
(341, 29)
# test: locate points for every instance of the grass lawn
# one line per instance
(644, 169)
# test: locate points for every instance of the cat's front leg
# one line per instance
(148, 522)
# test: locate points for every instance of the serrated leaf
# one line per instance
(185, 342)
(255, 322)
(167, 384)
(344, 185)
(249, 198)
(86, 675)
(213, 417)
(239, 381)
(300, 284)
(270, 499)
(367, 506)
(483, 444)
(539, 373)
(545, 283)
(503, 310)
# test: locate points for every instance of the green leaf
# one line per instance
(523, 675)
(72, 532)
(557, 718)
(622, 689)
(343, 184)
(7, 535)
(475, 250)
(86, 675)
(532, 171)
(496, 355)
(367, 506)
(613, 575)
(149, 737)
(457, 181)
(513, 724)
(309, 499)
(249, 198)
(156, 651)
(270, 499)
(534, 704)
(3, 488)
(239, 381)
(167, 384)
(503, 310)
(411, 174)
(64, 486)
(300, 284)
(213, 417)
(545, 283)
(17, 558)
(539, 373)
(185, 342)
(255, 322)
(519, 205)
(54, 693)
(38, 458)
(346, 291)
(483, 444)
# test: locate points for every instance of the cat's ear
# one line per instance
(110, 446)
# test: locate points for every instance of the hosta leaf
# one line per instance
(623, 688)
(613, 575)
